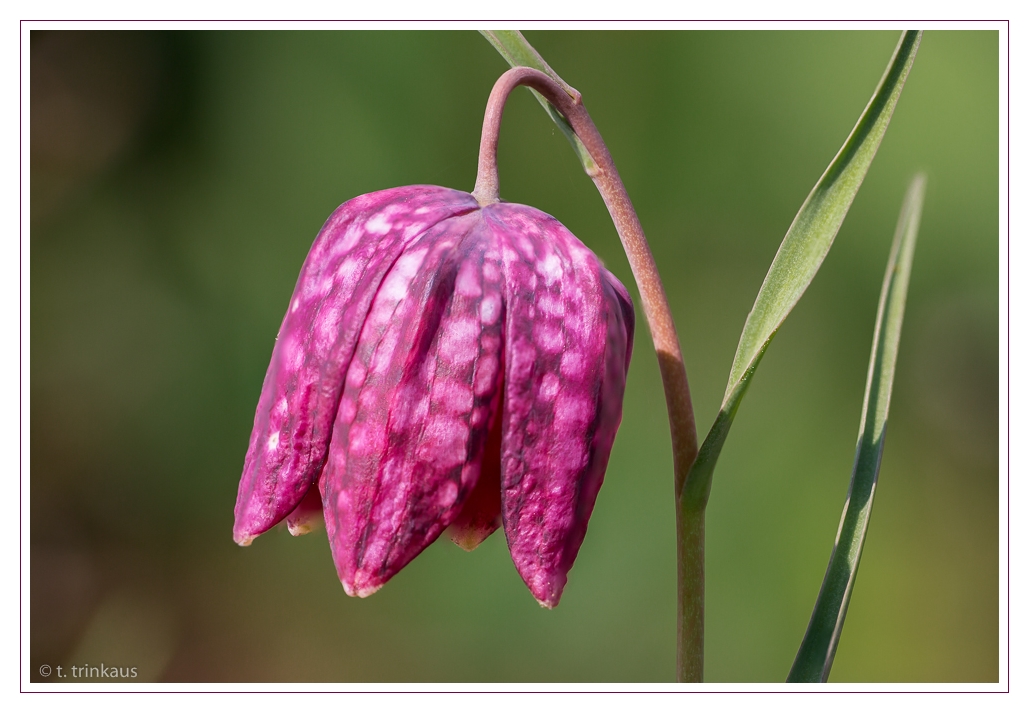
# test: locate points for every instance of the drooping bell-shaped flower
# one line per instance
(441, 365)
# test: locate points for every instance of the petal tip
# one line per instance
(470, 537)
(465, 541)
(300, 528)
(308, 515)
(359, 591)
(547, 589)
(550, 597)
(548, 600)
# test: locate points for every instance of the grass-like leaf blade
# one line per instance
(801, 254)
(815, 657)
(513, 47)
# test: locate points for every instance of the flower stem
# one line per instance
(690, 524)
(690, 614)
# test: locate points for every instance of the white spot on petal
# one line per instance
(378, 225)
(468, 281)
(550, 268)
(489, 308)
(459, 343)
(549, 386)
(551, 304)
(548, 337)
(572, 365)
(394, 288)
(448, 494)
(347, 410)
(455, 398)
(347, 269)
(485, 375)
(385, 352)
(356, 374)
(281, 408)
(413, 229)
(572, 412)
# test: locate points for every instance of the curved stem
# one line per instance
(655, 308)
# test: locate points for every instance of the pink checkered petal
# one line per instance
(418, 402)
(343, 272)
(569, 333)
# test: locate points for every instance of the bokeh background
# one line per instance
(177, 181)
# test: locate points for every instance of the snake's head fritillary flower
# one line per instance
(441, 365)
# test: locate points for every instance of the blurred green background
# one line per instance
(177, 181)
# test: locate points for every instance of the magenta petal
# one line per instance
(569, 332)
(343, 271)
(413, 419)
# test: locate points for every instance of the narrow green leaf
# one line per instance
(801, 254)
(815, 657)
(513, 47)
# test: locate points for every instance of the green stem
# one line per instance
(690, 616)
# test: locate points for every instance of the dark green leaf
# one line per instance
(815, 657)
